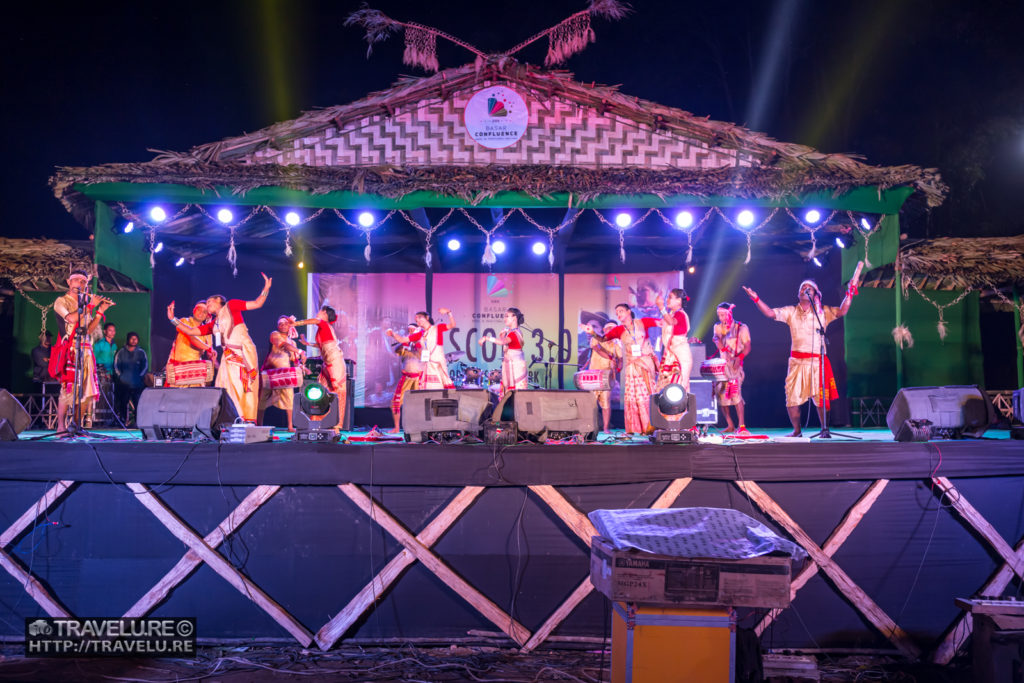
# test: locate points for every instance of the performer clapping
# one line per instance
(513, 360)
(676, 359)
(641, 366)
(412, 368)
(804, 380)
(239, 370)
(333, 374)
(431, 338)
(733, 341)
(283, 354)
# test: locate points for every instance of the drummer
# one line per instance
(283, 353)
(412, 368)
(733, 341)
(605, 356)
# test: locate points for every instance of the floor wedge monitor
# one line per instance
(187, 413)
(550, 414)
(444, 414)
(940, 413)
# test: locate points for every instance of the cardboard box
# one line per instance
(647, 579)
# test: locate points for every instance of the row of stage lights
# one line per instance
(684, 220)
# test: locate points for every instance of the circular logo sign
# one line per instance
(496, 117)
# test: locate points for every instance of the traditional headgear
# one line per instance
(292, 332)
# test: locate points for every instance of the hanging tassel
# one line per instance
(622, 254)
(288, 244)
(551, 258)
(689, 252)
(569, 37)
(901, 335)
(943, 329)
(152, 261)
(421, 49)
(366, 251)
(748, 250)
(867, 263)
(428, 258)
(489, 259)
(233, 256)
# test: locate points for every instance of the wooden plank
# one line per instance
(566, 511)
(671, 492)
(38, 509)
(981, 525)
(435, 564)
(333, 630)
(861, 601)
(832, 544)
(191, 561)
(34, 589)
(217, 563)
(558, 616)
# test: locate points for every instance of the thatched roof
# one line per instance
(744, 163)
(956, 263)
(43, 265)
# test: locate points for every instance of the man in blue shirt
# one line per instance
(130, 368)
(105, 348)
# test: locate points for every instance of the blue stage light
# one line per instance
(454, 244)
(498, 247)
(812, 216)
(292, 218)
(366, 219)
(180, 262)
(158, 248)
(623, 220)
(816, 261)
(539, 248)
(128, 227)
(864, 223)
(684, 219)
(745, 218)
(157, 214)
(225, 216)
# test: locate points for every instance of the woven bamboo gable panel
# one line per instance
(433, 133)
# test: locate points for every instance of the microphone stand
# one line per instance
(547, 364)
(825, 432)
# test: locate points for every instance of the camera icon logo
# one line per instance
(40, 627)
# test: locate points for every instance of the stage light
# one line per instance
(366, 219)
(812, 216)
(315, 412)
(673, 414)
(691, 270)
(684, 219)
(158, 248)
(745, 218)
(844, 241)
(292, 218)
(314, 392)
(539, 248)
(816, 261)
(225, 216)
(672, 399)
(128, 227)
(864, 223)
(180, 262)
(454, 244)
(498, 247)
(301, 264)
(157, 214)
(623, 220)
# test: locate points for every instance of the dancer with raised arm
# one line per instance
(513, 360)
(412, 368)
(638, 379)
(283, 353)
(732, 338)
(239, 369)
(333, 374)
(676, 359)
(191, 350)
(431, 339)
(803, 379)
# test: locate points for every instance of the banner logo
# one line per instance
(496, 117)
(496, 288)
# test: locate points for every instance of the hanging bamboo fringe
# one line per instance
(569, 37)
(421, 49)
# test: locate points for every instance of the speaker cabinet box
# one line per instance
(544, 413)
(184, 413)
(14, 413)
(444, 413)
(953, 411)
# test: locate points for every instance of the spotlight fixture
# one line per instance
(158, 248)
(673, 415)
(745, 218)
(812, 216)
(292, 218)
(315, 412)
(623, 220)
(122, 226)
(691, 270)
(684, 219)
(539, 248)
(816, 261)
(498, 247)
(157, 214)
(365, 219)
(128, 227)
(180, 262)
(844, 241)
(225, 216)
(301, 264)
(672, 399)
(454, 244)
(864, 223)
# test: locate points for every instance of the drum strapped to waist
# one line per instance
(189, 373)
(281, 378)
(593, 380)
(713, 369)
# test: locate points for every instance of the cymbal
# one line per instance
(454, 356)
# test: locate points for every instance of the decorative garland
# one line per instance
(622, 230)
(550, 232)
(942, 326)
(813, 229)
(288, 226)
(689, 230)
(489, 258)
(865, 233)
(746, 231)
(367, 230)
(42, 309)
(428, 233)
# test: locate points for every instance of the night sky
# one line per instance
(929, 82)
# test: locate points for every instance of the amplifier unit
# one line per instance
(548, 414)
(444, 414)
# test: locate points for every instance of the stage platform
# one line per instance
(322, 543)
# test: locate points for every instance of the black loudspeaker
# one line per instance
(444, 414)
(542, 414)
(169, 413)
(14, 414)
(919, 413)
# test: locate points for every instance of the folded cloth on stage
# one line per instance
(692, 532)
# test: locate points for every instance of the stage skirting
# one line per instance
(323, 543)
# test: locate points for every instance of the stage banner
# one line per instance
(479, 302)
(368, 304)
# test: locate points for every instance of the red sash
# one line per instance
(828, 380)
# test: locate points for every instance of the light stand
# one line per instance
(825, 432)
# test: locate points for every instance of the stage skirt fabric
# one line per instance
(333, 374)
(513, 370)
(239, 372)
(676, 363)
(638, 383)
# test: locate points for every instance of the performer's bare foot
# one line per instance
(729, 428)
(396, 430)
(795, 432)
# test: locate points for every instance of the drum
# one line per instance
(471, 377)
(494, 377)
(713, 369)
(193, 373)
(593, 380)
(281, 378)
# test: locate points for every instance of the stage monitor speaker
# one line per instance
(707, 402)
(169, 413)
(550, 414)
(946, 412)
(14, 414)
(444, 414)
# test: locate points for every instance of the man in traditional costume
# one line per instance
(605, 356)
(513, 359)
(804, 380)
(283, 354)
(188, 349)
(431, 338)
(732, 338)
(412, 368)
(333, 374)
(641, 369)
(239, 369)
(676, 359)
(78, 335)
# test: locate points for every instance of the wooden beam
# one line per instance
(671, 492)
(331, 632)
(980, 525)
(217, 563)
(860, 600)
(435, 564)
(191, 561)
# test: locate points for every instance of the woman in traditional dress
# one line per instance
(513, 360)
(239, 369)
(676, 359)
(641, 366)
(333, 374)
(431, 339)
(283, 353)
(412, 368)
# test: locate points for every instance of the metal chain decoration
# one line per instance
(1006, 300)
(865, 232)
(232, 252)
(365, 230)
(942, 326)
(42, 309)
(813, 229)
(746, 231)
(428, 233)
(550, 232)
(622, 230)
(688, 231)
(288, 226)
(489, 258)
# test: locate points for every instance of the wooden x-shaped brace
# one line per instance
(1013, 563)
(850, 590)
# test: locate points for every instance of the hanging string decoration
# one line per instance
(688, 230)
(489, 258)
(943, 327)
(572, 35)
(622, 229)
(865, 233)
(901, 335)
(365, 230)
(813, 229)
(428, 234)
(130, 215)
(42, 309)
(231, 226)
(288, 226)
(746, 231)
(1006, 300)
(550, 232)
(420, 40)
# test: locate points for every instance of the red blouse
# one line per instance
(441, 328)
(515, 339)
(619, 330)
(324, 332)
(680, 327)
(235, 306)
